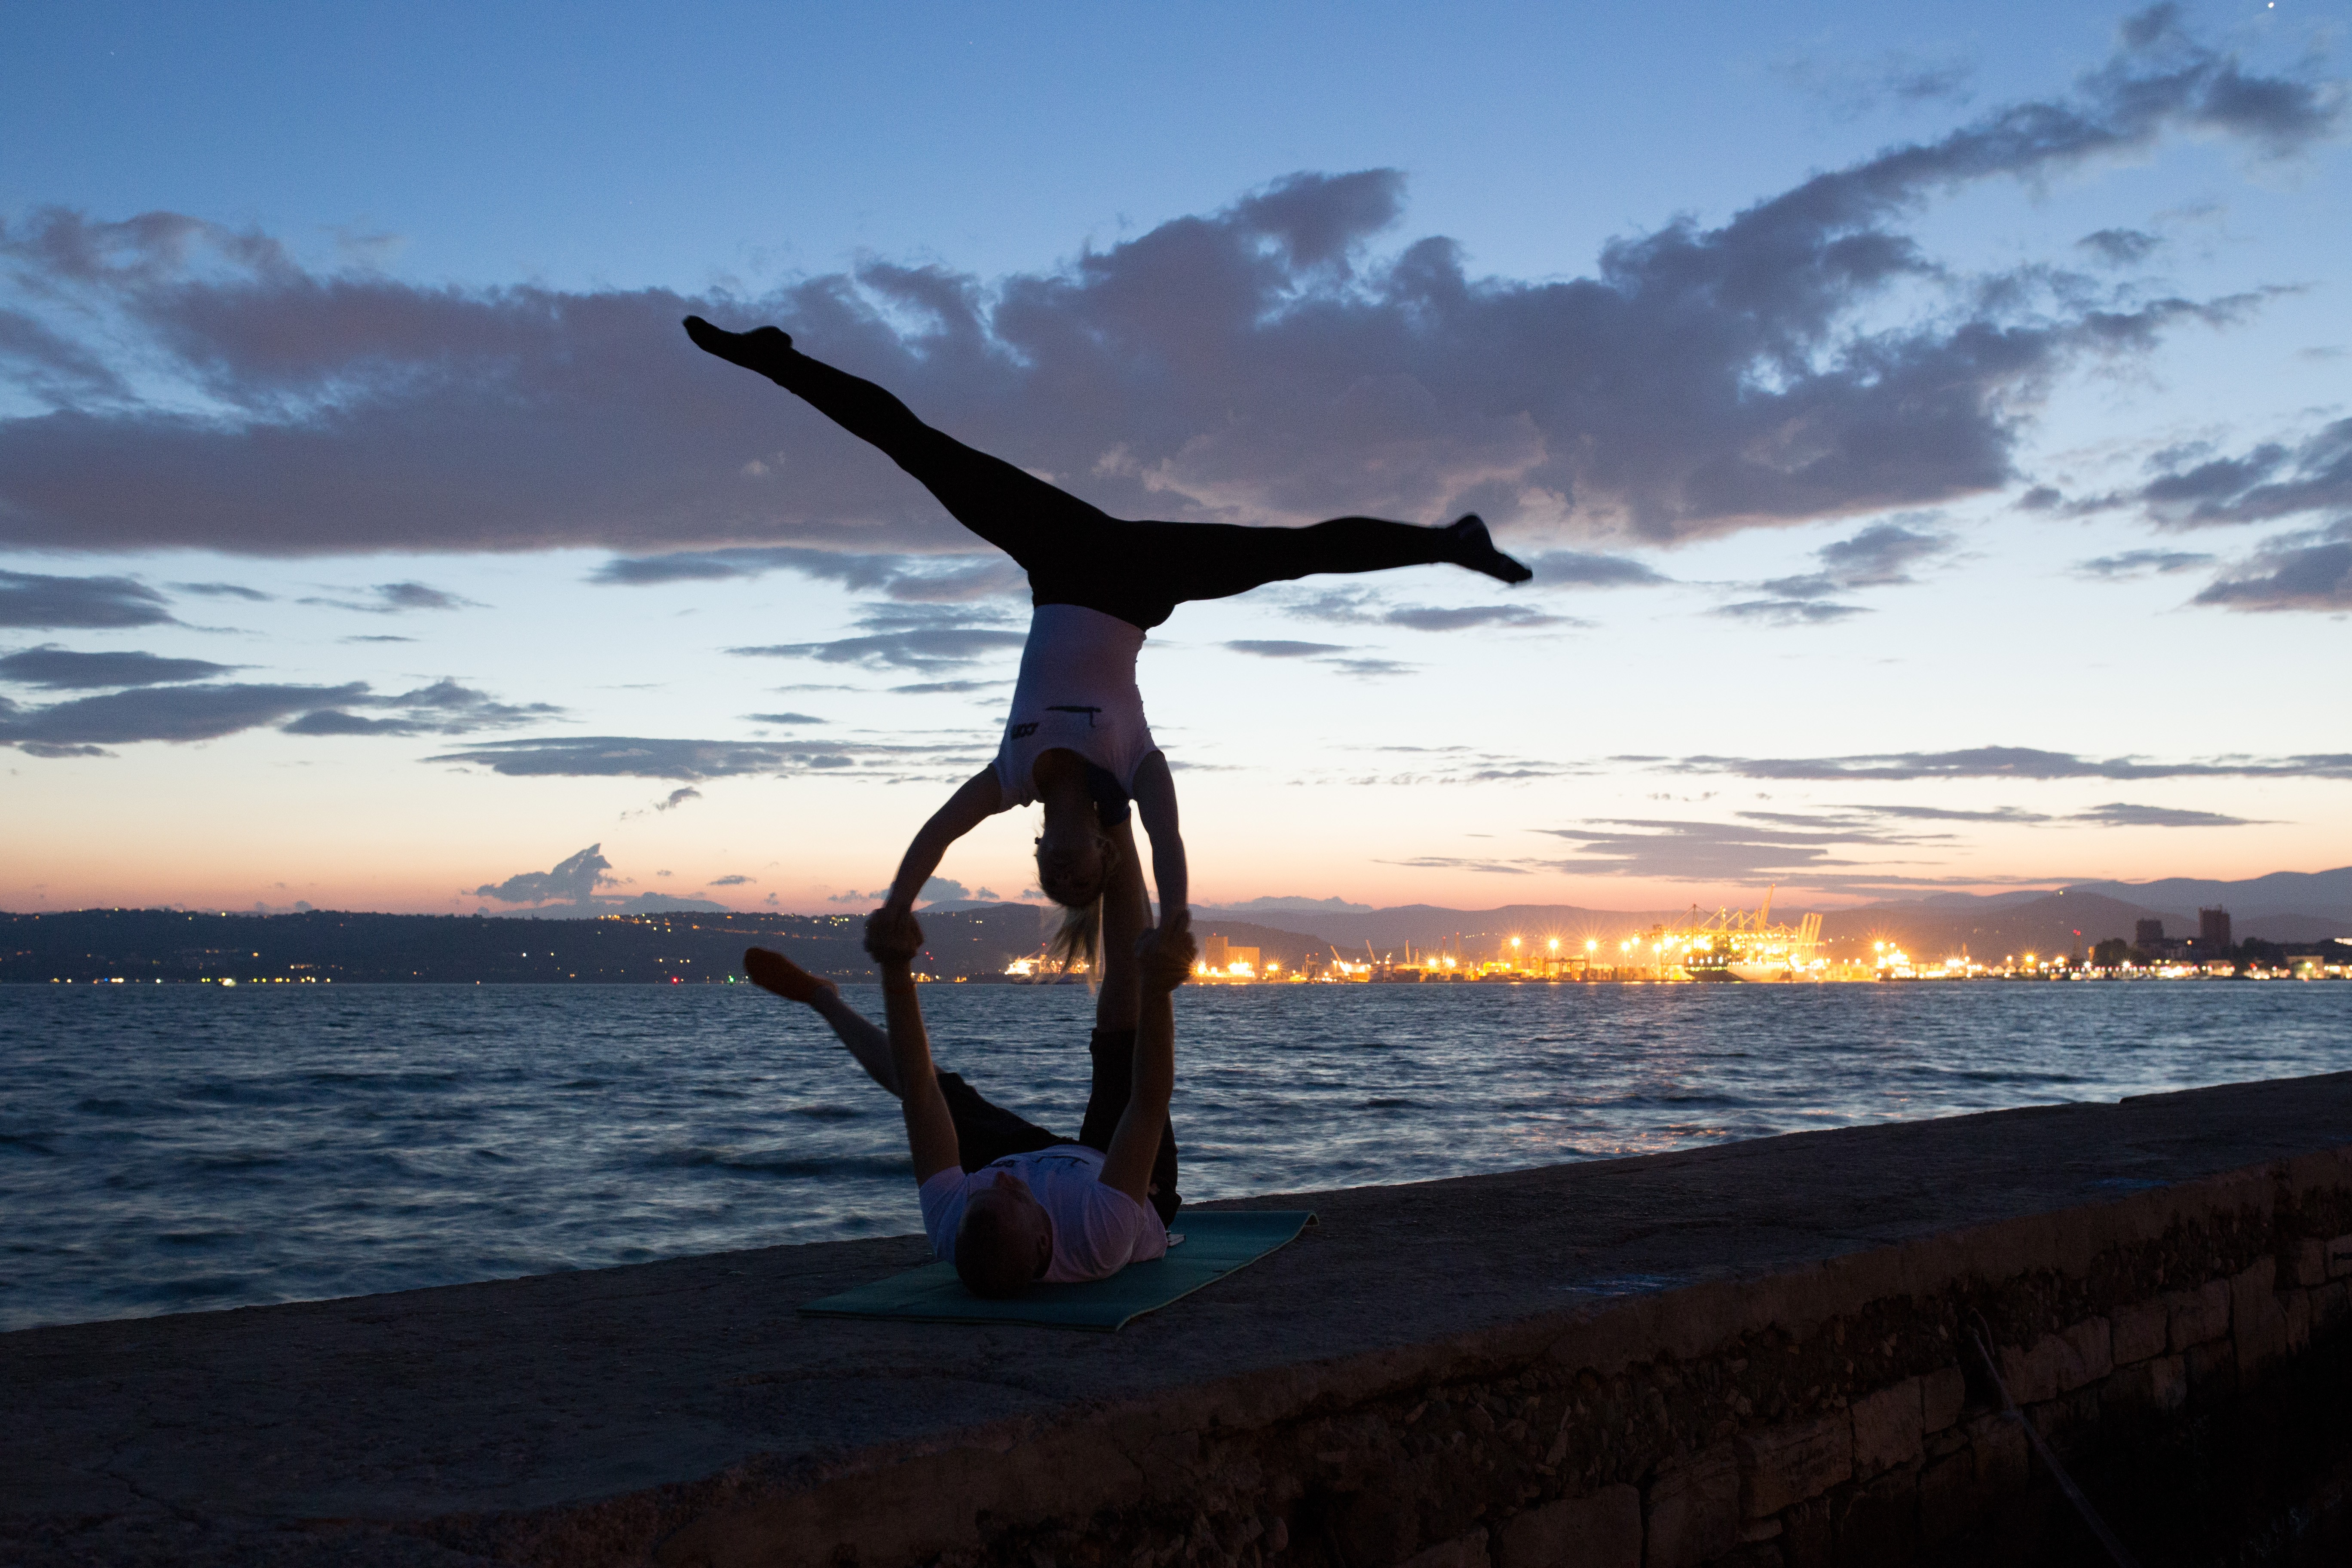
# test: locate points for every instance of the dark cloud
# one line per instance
(63, 670)
(1788, 612)
(207, 712)
(2142, 564)
(917, 637)
(1848, 89)
(2012, 763)
(784, 718)
(1738, 851)
(931, 648)
(914, 579)
(28, 599)
(1584, 569)
(731, 881)
(572, 880)
(2309, 570)
(1805, 357)
(2120, 247)
(391, 598)
(1880, 556)
(2116, 814)
(224, 590)
(637, 756)
(178, 713)
(381, 638)
(1276, 648)
(940, 688)
(1455, 863)
(677, 798)
(1364, 606)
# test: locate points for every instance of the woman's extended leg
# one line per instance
(1018, 513)
(864, 1039)
(1215, 561)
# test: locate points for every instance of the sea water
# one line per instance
(171, 1148)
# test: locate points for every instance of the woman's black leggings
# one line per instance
(1077, 554)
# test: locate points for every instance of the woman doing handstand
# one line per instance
(1076, 742)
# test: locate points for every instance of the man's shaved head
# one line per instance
(1005, 1241)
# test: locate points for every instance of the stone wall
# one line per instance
(2189, 1337)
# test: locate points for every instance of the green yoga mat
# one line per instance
(1214, 1245)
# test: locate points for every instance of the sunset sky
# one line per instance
(1931, 426)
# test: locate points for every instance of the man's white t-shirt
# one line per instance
(1098, 1230)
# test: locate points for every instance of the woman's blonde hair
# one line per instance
(1080, 939)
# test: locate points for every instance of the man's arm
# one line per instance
(979, 799)
(930, 1131)
(1155, 802)
(1162, 960)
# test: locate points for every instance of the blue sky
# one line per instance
(1928, 423)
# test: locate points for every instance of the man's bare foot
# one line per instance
(773, 972)
(1475, 548)
(762, 348)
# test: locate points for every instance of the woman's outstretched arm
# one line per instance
(1155, 802)
(975, 803)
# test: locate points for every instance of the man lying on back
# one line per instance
(1052, 1208)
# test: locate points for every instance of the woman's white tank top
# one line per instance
(1077, 693)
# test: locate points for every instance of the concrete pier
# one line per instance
(1755, 1354)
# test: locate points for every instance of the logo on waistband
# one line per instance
(1023, 732)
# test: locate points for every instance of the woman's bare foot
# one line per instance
(773, 972)
(762, 348)
(1475, 548)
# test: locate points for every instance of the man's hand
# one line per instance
(892, 936)
(1164, 957)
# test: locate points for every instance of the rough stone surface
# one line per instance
(2088, 1356)
(1942, 1393)
(2200, 1316)
(1889, 1428)
(2138, 1331)
(1428, 1363)
(1794, 1463)
(1601, 1529)
(1693, 1510)
(2256, 1319)
(1463, 1552)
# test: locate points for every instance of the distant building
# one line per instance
(2213, 929)
(2148, 933)
(1220, 956)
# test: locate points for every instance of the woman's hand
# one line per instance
(1165, 957)
(892, 935)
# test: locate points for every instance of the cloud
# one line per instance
(392, 598)
(2120, 247)
(1276, 648)
(1788, 612)
(913, 579)
(638, 756)
(183, 714)
(677, 798)
(573, 880)
(1452, 863)
(730, 880)
(852, 897)
(1282, 359)
(28, 599)
(922, 637)
(948, 687)
(2309, 570)
(1584, 569)
(1362, 607)
(2116, 814)
(1880, 556)
(2142, 564)
(2011, 763)
(224, 590)
(1848, 89)
(62, 669)
(784, 718)
(1738, 851)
